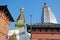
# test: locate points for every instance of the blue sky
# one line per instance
(33, 7)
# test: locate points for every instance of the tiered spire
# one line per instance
(21, 16)
(20, 23)
(47, 15)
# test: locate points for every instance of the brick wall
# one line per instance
(4, 26)
(46, 36)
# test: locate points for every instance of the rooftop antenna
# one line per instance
(31, 19)
(31, 23)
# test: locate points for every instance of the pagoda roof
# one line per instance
(5, 9)
(45, 25)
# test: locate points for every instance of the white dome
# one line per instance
(47, 15)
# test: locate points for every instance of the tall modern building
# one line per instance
(48, 29)
(5, 20)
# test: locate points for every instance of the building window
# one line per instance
(52, 30)
(40, 30)
(57, 30)
(46, 30)
(33, 30)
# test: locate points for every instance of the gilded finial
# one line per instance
(22, 10)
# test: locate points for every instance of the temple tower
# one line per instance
(19, 27)
(20, 23)
(47, 15)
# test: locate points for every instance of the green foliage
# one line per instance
(29, 31)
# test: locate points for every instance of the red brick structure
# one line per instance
(48, 29)
(5, 19)
(44, 31)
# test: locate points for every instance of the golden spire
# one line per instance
(20, 23)
(13, 37)
(22, 10)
